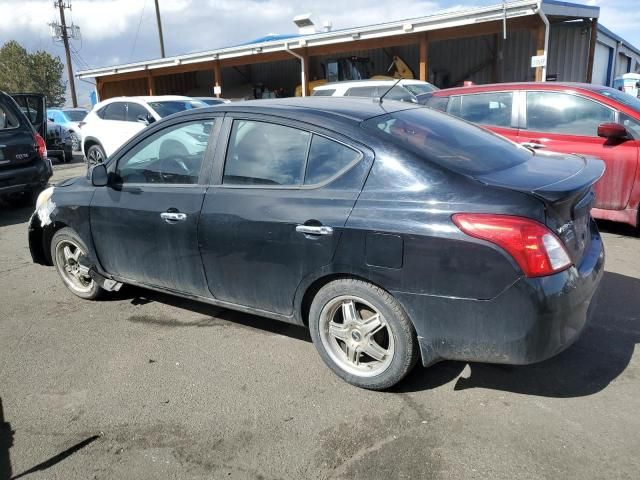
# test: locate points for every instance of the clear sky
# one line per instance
(122, 31)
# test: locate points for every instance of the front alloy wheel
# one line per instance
(95, 155)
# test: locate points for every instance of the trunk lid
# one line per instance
(564, 184)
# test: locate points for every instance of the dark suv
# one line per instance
(24, 166)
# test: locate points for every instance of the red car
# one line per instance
(564, 117)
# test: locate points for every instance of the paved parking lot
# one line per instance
(149, 386)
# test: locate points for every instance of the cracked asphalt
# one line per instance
(147, 386)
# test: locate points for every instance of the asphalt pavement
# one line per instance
(147, 386)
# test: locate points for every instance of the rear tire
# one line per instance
(362, 333)
(66, 250)
(95, 155)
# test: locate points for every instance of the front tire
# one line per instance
(75, 142)
(66, 250)
(362, 334)
(95, 155)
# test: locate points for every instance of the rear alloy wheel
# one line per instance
(362, 334)
(75, 142)
(66, 251)
(95, 155)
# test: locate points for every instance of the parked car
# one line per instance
(114, 121)
(564, 117)
(414, 91)
(58, 138)
(212, 100)
(59, 142)
(393, 232)
(24, 166)
(70, 119)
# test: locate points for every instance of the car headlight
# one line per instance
(44, 197)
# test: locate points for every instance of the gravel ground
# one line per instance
(148, 386)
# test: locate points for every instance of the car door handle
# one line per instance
(172, 217)
(312, 230)
(534, 145)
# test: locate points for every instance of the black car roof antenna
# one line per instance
(390, 88)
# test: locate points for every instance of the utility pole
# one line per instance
(159, 29)
(61, 31)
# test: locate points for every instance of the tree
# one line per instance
(38, 72)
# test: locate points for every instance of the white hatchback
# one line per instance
(114, 121)
(414, 91)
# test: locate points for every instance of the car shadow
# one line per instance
(12, 215)
(216, 315)
(6, 442)
(599, 356)
(616, 228)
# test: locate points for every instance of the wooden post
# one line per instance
(150, 83)
(540, 49)
(592, 48)
(424, 57)
(217, 75)
(99, 88)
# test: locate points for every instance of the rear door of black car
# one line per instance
(144, 223)
(34, 106)
(17, 145)
(280, 196)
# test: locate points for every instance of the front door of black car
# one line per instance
(272, 218)
(144, 224)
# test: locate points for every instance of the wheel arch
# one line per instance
(88, 142)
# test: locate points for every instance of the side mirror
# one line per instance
(612, 131)
(52, 120)
(143, 119)
(99, 176)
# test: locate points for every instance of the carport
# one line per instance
(488, 44)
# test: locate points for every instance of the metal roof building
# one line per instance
(445, 48)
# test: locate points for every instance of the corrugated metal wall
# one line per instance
(569, 51)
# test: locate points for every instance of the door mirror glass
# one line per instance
(143, 119)
(612, 130)
(99, 176)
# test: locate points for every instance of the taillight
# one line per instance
(81, 123)
(41, 146)
(533, 246)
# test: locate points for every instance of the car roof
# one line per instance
(355, 109)
(520, 86)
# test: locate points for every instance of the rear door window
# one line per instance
(565, 114)
(265, 154)
(485, 108)
(361, 92)
(325, 92)
(115, 111)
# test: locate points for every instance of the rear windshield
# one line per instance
(448, 141)
(75, 115)
(166, 108)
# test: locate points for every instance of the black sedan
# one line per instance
(393, 232)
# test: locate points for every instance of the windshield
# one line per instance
(75, 115)
(624, 98)
(448, 141)
(419, 89)
(167, 107)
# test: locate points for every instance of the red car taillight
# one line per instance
(536, 249)
(41, 146)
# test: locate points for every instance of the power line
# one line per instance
(135, 40)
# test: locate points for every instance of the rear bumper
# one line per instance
(23, 179)
(532, 320)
